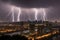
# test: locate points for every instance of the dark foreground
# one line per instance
(19, 37)
(14, 37)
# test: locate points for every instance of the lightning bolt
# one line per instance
(44, 15)
(19, 13)
(12, 14)
(36, 12)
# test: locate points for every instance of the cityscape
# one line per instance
(29, 20)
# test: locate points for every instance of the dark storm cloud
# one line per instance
(34, 3)
(52, 14)
(3, 12)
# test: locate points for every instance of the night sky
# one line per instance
(52, 9)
